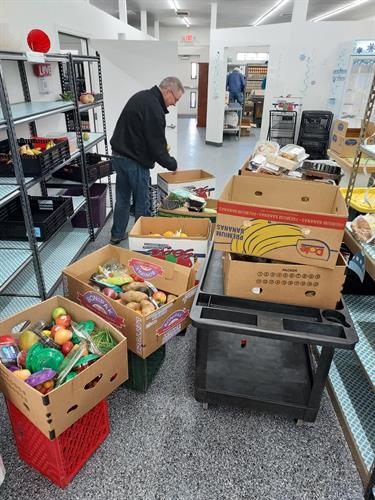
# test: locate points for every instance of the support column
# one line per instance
(213, 15)
(300, 11)
(123, 11)
(156, 29)
(144, 21)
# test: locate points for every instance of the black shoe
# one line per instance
(116, 241)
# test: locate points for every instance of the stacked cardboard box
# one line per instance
(290, 233)
(345, 140)
(181, 240)
(145, 334)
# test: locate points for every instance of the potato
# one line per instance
(134, 305)
(135, 285)
(133, 296)
(147, 307)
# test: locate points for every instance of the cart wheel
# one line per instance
(299, 422)
(205, 406)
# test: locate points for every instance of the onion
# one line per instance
(109, 292)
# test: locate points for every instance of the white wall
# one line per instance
(130, 66)
(201, 37)
(197, 50)
(76, 17)
(302, 57)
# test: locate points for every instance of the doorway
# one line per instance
(252, 64)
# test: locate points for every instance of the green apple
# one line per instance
(58, 311)
(27, 339)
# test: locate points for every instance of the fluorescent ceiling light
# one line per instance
(174, 5)
(186, 22)
(338, 10)
(272, 10)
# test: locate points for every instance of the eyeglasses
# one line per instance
(174, 95)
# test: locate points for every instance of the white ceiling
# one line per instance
(230, 13)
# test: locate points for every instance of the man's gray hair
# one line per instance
(173, 83)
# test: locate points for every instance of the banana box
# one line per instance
(282, 282)
(301, 222)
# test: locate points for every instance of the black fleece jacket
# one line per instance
(140, 131)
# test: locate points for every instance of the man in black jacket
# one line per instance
(137, 143)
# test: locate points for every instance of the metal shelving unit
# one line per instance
(31, 270)
(352, 376)
(237, 108)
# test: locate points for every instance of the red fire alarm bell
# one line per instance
(42, 70)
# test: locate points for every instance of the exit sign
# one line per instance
(187, 38)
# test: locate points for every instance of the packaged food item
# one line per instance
(8, 350)
(363, 228)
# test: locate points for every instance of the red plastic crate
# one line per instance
(61, 458)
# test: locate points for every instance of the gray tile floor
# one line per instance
(163, 445)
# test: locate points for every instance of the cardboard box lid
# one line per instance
(270, 194)
(196, 229)
(166, 276)
(182, 176)
(341, 127)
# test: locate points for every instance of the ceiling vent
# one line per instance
(182, 13)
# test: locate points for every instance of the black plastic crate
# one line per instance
(143, 371)
(49, 214)
(316, 149)
(315, 124)
(259, 354)
(96, 169)
(36, 165)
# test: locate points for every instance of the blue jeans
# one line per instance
(236, 96)
(131, 179)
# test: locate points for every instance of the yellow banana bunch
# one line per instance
(260, 237)
(26, 150)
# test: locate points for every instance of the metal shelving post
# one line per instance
(81, 147)
(104, 125)
(25, 204)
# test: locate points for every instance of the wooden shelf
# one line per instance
(347, 163)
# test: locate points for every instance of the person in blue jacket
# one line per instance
(236, 85)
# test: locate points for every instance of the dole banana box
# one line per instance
(282, 282)
(145, 334)
(281, 219)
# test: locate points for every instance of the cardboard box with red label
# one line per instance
(345, 140)
(274, 218)
(186, 179)
(145, 334)
(60, 408)
(284, 283)
(154, 236)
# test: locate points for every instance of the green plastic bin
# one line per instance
(143, 371)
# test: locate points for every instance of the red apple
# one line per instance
(160, 297)
(64, 320)
(54, 329)
(67, 347)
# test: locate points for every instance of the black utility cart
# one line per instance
(259, 354)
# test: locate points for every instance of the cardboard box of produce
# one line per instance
(211, 207)
(345, 140)
(145, 334)
(158, 234)
(277, 219)
(57, 410)
(298, 284)
(186, 179)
